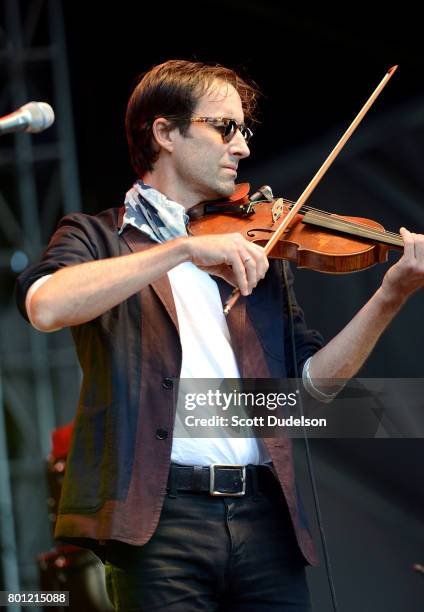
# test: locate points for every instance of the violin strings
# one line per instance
(345, 222)
(326, 213)
(357, 229)
(332, 215)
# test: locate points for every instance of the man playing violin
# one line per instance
(210, 523)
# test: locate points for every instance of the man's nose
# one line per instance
(239, 145)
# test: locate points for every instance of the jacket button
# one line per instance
(168, 383)
(161, 434)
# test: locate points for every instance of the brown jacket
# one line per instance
(118, 465)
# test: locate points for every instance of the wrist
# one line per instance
(183, 251)
(389, 300)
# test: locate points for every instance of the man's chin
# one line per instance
(226, 189)
(220, 191)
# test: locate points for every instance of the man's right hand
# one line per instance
(240, 262)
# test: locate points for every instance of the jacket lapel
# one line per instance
(137, 242)
(235, 320)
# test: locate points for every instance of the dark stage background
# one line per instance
(315, 70)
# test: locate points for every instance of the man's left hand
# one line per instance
(407, 275)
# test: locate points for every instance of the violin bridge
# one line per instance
(277, 209)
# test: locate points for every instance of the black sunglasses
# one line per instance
(226, 127)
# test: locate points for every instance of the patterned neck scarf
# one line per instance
(152, 213)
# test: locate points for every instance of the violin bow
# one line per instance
(316, 179)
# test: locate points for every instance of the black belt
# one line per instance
(220, 480)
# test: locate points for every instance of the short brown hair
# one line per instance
(172, 90)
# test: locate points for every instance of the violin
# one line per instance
(314, 239)
(283, 228)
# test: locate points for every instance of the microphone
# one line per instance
(32, 117)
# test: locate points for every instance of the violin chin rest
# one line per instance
(238, 198)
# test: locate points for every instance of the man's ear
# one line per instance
(163, 133)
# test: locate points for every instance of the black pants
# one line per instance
(213, 554)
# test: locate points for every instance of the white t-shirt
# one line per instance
(206, 354)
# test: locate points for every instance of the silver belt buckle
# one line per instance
(212, 490)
